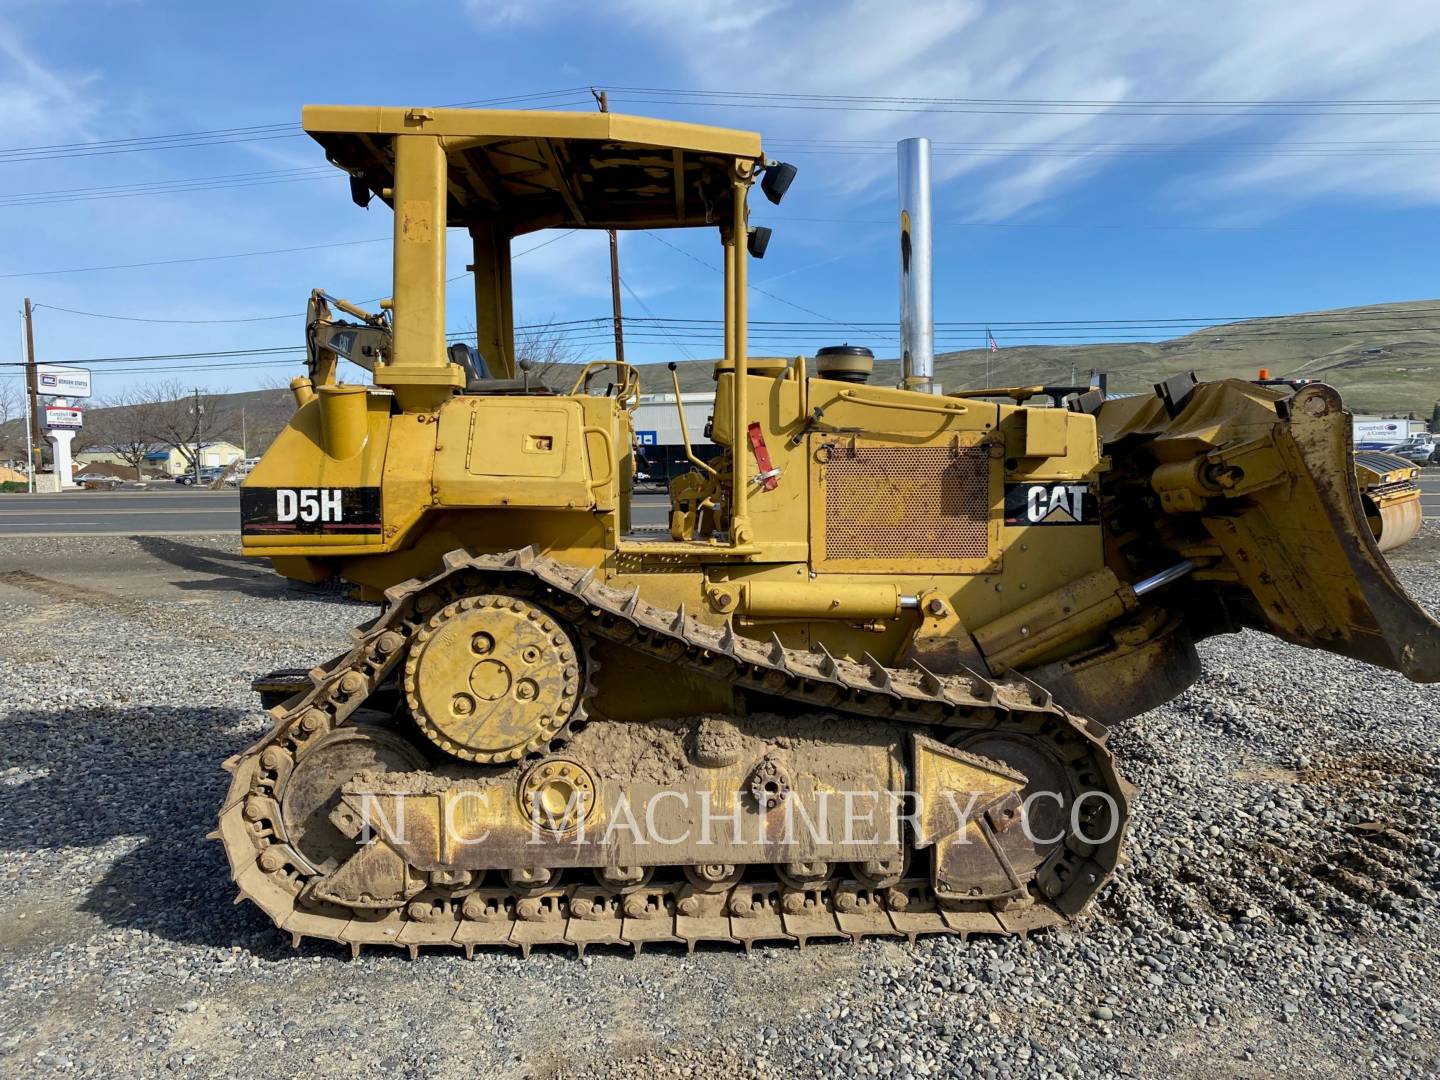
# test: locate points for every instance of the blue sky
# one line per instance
(1051, 212)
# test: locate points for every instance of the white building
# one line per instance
(168, 460)
(660, 452)
(213, 455)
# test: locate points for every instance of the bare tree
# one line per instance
(12, 419)
(548, 351)
(122, 426)
(254, 418)
(184, 420)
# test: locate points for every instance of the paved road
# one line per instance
(159, 512)
(1430, 492)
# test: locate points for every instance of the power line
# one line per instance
(753, 288)
(761, 99)
(513, 98)
(652, 333)
(151, 183)
(1006, 112)
(1361, 314)
(217, 136)
(173, 322)
(1102, 143)
(265, 318)
(646, 308)
(1086, 151)
(698, 328)
(801, 326)
(7, 157)
(1086, 102)
(178, 187)
(1017, 106)
(197, 259)
(1118, 225)
(103, 143)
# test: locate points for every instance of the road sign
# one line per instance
(54, 380)
(1377, 434)
(61, 418)
(647, 438)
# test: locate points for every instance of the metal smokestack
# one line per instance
(917, 319)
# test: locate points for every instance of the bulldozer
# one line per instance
(1389, 485)
(863, 685)
(1390, 494)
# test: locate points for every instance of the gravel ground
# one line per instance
(1277, 915)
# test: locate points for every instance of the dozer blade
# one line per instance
(1285, 509)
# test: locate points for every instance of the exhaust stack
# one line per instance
(917, 319)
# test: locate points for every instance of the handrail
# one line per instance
(740, 532)
(609, 454)
(802, 386)
(1017, 394)
(629, 387)
(915, 406)
(684, 427)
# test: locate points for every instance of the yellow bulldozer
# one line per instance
(861, 688)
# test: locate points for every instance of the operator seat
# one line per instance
(478, 379)
(471, 362)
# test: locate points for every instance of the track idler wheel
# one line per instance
(309, 795)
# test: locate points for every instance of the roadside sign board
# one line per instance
(58, 417)
(646, 438)
(54, 380)
(1378, 434)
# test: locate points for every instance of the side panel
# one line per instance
(521, 452)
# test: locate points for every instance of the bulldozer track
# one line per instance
(268, 871)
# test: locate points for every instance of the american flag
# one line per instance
(990, 340)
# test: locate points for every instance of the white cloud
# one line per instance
(1126, 50)
(493, 14)
(38, 104)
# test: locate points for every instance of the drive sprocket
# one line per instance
(491, 678)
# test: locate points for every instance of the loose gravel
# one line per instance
(1277, 914)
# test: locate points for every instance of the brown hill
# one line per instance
(1384, 358)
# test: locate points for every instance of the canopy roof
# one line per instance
(525, 171)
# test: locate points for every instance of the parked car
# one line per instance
(207, 476)
(1421, 449)
(237, 474)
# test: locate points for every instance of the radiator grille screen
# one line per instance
(903, 502)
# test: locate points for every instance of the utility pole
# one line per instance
(199, 411)
(602, 99)
(32, 390)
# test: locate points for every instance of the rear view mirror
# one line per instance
(777, 180)
(359, 191)
(757, 240)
